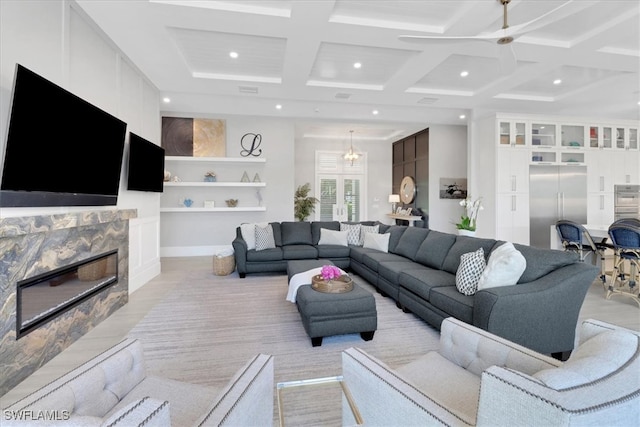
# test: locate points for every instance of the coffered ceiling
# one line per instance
(300, 54)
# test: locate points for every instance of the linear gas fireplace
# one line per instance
(46, 296)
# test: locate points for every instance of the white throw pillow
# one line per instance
(505, 266)
(333, 237)
(248, 231)
(264, 237)
(354, 233)
(377, 241)
(367, 229)
(471, 266)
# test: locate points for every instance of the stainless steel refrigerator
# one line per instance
(555, 192)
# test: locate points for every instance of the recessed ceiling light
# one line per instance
(234, 55)
(278, 107)
(374, 112)
(557, 81)
(357, 65)
(462, 116)
(166, 100)
(464, 74)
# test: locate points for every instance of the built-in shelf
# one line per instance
(216, 159)
(214, 184)
(236, 209)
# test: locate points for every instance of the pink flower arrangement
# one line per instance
(330, 272)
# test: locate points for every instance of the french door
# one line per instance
(340, 198)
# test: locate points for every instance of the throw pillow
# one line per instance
(333, 237)
(379, 242)
(505, 266)
(353, 238)
(367, 229)
(264, 237)
(471, 266)
(248, 232)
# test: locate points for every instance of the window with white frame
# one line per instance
(342, 187)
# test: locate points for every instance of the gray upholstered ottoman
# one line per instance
(325, 314)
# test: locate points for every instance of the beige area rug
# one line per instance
(208, 327)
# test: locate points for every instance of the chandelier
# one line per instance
(350, 156)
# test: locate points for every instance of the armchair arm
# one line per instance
(146, 411)
(248, 398)
(542, 314)
(376, 388)
(476, 350)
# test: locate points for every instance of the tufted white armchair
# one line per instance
(477, 378)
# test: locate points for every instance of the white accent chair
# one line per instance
(113, 389)
(477, 378)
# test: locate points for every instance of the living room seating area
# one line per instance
(530, 296)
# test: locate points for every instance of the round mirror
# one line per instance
(407, 189)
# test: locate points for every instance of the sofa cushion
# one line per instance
(541, 262)
(463, 245)
(357, 253)
(333, 251)
(299, 252)
(434, 249)
(410, 242)
(420, 280)
(396, 232)
(390, 270)
(296, 233)
(368, 229)
(472, 265)
(449, 300)
(274, 254)
(378, 242)
(504, 267)
(373, 259)
(264, 237)
(316, 226)
(248, 231)
(594, 359)
(332, 237)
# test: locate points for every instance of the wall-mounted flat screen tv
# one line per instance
(61, 150)
(146, 165)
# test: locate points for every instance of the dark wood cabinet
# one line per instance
(411, 158)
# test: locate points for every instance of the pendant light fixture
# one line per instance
(351, 156)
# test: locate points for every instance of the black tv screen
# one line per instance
(146, 165)
(60, 149)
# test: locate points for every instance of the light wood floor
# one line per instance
(618, 310)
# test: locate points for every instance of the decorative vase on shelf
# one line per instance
(470, 233)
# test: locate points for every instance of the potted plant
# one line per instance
(304, 205)
(467, 224)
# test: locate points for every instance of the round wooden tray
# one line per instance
(342, 284)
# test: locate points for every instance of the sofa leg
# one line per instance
(399, 305)
(316, 342)
(242, 275)
(561, 355)
(367, 336)
(405, 310)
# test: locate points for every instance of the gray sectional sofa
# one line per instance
(419, 273)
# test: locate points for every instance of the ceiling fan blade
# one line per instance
(422, 39)
(542, 20)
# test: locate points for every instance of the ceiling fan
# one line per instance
(502, 37)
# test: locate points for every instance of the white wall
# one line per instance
(378, 155)
(205, 233)
(447, 159)
(57, 41)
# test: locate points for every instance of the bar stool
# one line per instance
(626, 243)
(576, 238)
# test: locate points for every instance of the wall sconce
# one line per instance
(393, 199)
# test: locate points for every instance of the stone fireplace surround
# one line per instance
(30, 246)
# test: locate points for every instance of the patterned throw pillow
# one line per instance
(367, 229)
(472, 265)
(264, 237)
(353, 238)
